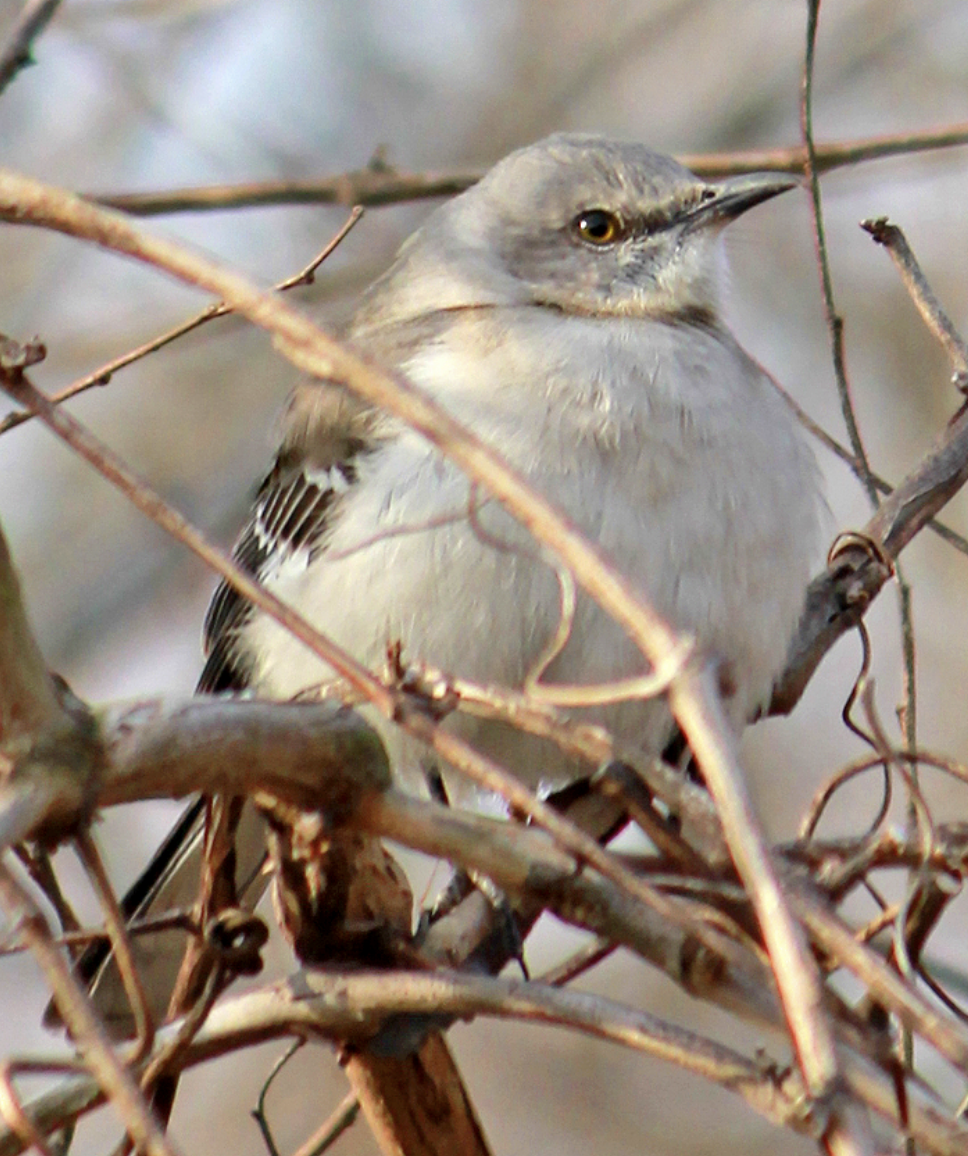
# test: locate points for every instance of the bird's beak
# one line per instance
(734, 195)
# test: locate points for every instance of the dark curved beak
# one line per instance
(733, 196)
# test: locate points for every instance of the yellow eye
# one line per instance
(598, 226)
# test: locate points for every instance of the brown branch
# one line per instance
(382, 185)
(370, 187)
(838, 598)
(353, 1006)
(86, 1031)
(417, 1104)
(103, 374)
(120, 943)
(921, 293)
(15, 54)
(339, 1121)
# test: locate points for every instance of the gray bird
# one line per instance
(567, 309)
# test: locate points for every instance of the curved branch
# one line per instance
(353, 1006)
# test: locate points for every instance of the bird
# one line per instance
(568, 309)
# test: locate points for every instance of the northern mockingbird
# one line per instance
(567, 309)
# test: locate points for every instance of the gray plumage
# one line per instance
(566, 309)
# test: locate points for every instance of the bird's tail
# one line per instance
(170, 882)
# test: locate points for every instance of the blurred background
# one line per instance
(148, 94)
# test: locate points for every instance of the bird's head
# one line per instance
(592, 226)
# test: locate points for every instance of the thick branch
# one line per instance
(354, 1006)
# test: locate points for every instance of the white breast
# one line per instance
(668, 448)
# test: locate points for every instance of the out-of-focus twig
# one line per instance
(340, 1120)
(258, 1113)
(384, 185)
(15, 54)
(921, 293)
(945, 532)
(834, 321)
(120, 943)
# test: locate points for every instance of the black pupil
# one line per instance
(597, 224)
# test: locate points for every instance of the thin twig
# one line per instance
(921, 293)
(835, 322)
(383, 185)
(258, 1113)
(36, 861)
(103, 375)
(83, 1024)
(958, 541)
(15, 54)
(339, 1121)
(580, 961)
(170, 921)
(120, 943)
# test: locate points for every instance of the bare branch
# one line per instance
(934, 316)
(352, 1006)
(16, 52)
(86, 1031)
(838, 599)
(104, 373)
(384, 185)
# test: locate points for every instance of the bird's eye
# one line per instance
(598, 226)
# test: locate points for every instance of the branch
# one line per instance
(15, 54)
(384, 185)
(354, 1006)
(921, 293)
(839, 598)
(86, 1030)
(103, 374)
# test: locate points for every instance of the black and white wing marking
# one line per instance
(327, 436)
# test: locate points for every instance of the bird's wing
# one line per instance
(326, 433)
